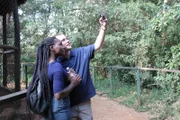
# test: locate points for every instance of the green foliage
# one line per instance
(34, 18)
(124, 32)
(147, 80)
(141, 33)
(174, 61)
(160, 101)
(166, 35)
(168, 22)
(130, 100)
(103, 85)
(133, 35)
(168, 81)
(117, 89)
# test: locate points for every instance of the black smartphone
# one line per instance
(102, 15)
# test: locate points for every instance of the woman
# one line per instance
(54, 78)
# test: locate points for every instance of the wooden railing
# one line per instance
(12, 97)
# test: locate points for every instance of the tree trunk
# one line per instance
(164, 12)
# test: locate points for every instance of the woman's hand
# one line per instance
(73, 77)
(75, 80)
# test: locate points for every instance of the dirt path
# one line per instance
(106, 109)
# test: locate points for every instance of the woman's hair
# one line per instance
(41, 65)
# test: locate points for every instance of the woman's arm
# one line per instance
(65, 92)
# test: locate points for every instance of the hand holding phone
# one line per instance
(103, 21)
(102, 15)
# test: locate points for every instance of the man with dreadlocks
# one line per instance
(54, 78)
(79, 59)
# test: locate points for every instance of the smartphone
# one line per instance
(102, 15)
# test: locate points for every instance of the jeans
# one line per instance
(61, 109)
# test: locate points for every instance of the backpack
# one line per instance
(35, 100)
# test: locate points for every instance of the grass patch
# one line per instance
(103, 85)
(115, 88)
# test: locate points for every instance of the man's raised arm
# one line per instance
(100, 38)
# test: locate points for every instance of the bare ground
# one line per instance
(106, 109)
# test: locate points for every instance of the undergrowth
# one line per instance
(163, 104)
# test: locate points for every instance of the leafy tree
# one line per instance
(140, 33)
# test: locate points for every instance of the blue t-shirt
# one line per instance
(79, 60)
(57, 76)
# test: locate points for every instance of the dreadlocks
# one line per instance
(41, 69)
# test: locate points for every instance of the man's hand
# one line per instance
(100, 38)
(103, 23)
